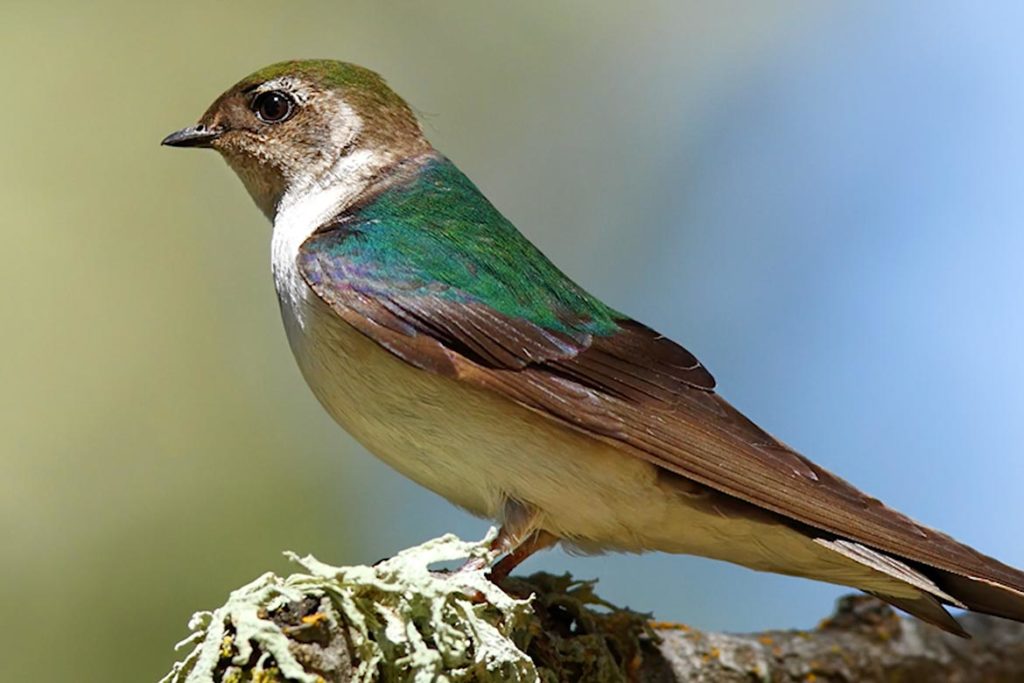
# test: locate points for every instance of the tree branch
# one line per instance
(399, 620)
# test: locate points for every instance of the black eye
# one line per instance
(273, 106)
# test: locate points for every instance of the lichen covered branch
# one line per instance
(402, 620)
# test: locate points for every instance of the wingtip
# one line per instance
(984, 595)
(928, 609)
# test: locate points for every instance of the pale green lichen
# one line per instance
(404, 622)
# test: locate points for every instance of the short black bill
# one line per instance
(193, 136)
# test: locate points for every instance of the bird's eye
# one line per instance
(273, 106)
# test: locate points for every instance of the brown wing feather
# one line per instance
(654, 400)
(636, 364)
(702, 437)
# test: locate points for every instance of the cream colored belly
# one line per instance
(479, 450)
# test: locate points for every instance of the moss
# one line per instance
(577, 636)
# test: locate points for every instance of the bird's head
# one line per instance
(295, 126)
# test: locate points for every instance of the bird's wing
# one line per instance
(446, 298)
(634, 388)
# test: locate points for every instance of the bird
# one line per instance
(434, 332)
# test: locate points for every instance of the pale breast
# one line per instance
(472, 447)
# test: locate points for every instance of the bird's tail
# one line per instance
(983, 595)
(923, 591)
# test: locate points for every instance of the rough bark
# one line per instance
(864, 641)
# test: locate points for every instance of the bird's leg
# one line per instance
(538, 540)
(519, 537)
(501, 543)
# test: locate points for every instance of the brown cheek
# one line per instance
(236, 144)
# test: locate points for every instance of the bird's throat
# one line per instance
(309, 205)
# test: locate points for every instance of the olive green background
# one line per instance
(158, 446)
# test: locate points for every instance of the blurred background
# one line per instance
(823, 201)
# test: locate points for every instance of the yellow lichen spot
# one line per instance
(314, 618)
(810, 678)
(715, 653)
(266, 676)
(227, 646)
(668, 626)
(765, 640)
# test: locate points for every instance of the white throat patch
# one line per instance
(307, 208)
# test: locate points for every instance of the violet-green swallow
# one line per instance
(434, 332)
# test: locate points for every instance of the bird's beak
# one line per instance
(193, 136)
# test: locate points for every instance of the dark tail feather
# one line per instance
(978, 595)
(940, 587)
(981, 595)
